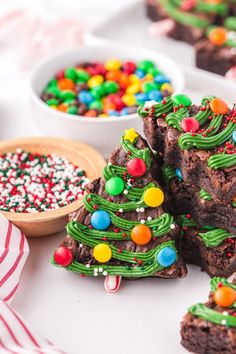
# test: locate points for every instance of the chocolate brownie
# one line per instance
(199, 141)
(210, 248)
(210, 328)
(123, 221)
(185, 198)
(217, 51)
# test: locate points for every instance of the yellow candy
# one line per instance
(149, 77)
(134, 88)
(153, 197)
(129, 100)
(103, 115)
(167, 87)
(113, 64)
(95, 81)
(133, 78)
(102, 253)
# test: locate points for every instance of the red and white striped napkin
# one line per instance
(16, 337)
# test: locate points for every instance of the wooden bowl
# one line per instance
(50, 222)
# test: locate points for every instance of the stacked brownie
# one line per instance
(196, 151)
(208, 25)
(210, 328)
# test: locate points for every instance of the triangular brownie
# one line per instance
(122, 230)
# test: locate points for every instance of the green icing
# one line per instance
(223, 160)
(233, 204)
(183, 221)
(214, 238)
(168, 173)
(204, 195)
(230, 23)
(207, 314)
(90, 237)
(158, 109)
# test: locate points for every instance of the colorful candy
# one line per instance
(218, 36)
(218, 106)
(113, 88)
(102, 253)
(63, 256)
(153, 197)
(136, 167)
(190, 124)
(31, 182)
(166, 256)
(114, 186)
(225, 296)
(100, 220)
(141, 234)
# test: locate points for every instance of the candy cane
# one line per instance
(112, 283)
(231, 73)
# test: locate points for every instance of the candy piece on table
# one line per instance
(100, 220)
(14, 250)
(112, 283)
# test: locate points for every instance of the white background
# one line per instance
(74, 313)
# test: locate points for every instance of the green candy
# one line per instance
(52, 83)
(52, 102)
(54, 91)
(72, 110)
(96, 105)
(114, 186)
(82, 76)
(70, 73)
(153, 71)
(67, 94)
(70, 101)
(181, 99)
(149, 86)
(98, 91)
(110, 87)
(145, 65)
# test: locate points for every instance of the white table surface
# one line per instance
(77, 314)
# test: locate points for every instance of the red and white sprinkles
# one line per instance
(31, 183)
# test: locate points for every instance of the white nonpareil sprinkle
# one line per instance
(224, 322)
(121, 210)
(142, 221)
(125, 191)
(149, 104)
(105, 273)
(172, 226)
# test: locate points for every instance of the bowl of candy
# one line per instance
(43, 180)
(92, 93)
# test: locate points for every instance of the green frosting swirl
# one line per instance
(217, 280)
(223, 160)
(214, 238)
(207, 314)
(204, 195)
(168, 173)
(183, 221)
(157, 110)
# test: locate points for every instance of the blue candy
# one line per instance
(234, 136)
(141, 97)
(113, 113)
(85, 97)
(124, 111)
(140, 73)
(166, 257)
(100, 220)
(179, 174)
(155, 95)
(161, 79)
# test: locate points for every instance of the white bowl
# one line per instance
(102, 133)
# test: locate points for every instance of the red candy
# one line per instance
(129, 67)
(63, 256)
(190, 124)
(136, 167)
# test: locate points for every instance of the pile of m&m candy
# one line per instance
(112, 88)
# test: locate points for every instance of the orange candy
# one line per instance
(91, 113)
(218, 106)
(234, 198)
(141, 234)
(108, 106)
(124, 81)
(113, 75)
(218, 36)
(66, 84)
(62, 107)
(225, 296)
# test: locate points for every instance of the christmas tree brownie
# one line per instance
(121, 230)
(210, 328)
(211, 248)
(199, 141)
